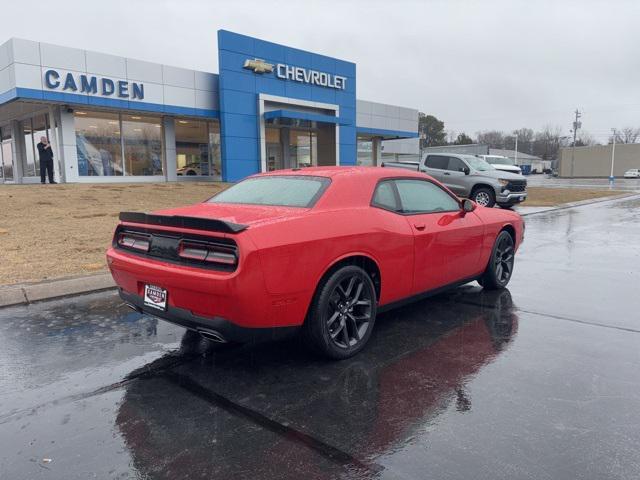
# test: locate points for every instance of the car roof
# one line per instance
(341, 171)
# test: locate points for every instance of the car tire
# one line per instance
(191, 172)
(484, 196)
(500, 267)
(342, 313)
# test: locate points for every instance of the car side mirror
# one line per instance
(466, 170)
(468, 206)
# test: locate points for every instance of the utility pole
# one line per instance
(576, 125)
(516, 156)
(613, 156)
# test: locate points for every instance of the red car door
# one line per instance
(447, 241)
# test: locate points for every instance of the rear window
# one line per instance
(437, 161)
(280, 191)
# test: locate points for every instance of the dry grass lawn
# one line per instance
(547, 197)
(49, 231)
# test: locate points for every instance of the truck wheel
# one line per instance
(342, 314)
(484, 196)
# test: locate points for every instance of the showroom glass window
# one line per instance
(365, 151)
(142, 139)
(6, 154)
(98, 143)
(198, 148)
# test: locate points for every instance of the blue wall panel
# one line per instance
(239, 90)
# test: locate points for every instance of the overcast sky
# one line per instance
(476, 65)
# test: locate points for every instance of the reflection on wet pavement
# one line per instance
(468, 384)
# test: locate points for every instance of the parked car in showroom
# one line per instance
(471, 177)
(503, 163)
(632, 173)
(321, 250)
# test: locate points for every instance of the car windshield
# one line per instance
(281, 191)
(500, 161)
(479, 164)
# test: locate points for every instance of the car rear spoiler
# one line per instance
(194, 223)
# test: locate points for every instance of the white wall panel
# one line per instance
(107, 65)
(362, 106)
(7, 80)
(6, 55)
(206, 100)
(178, 77)
(153, 93)
(62, 57)
(144, 71)
(183, 97)
(206, 81)
(25, 51)
(27, 76)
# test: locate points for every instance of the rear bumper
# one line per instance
(219, 326)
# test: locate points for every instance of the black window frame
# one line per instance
(393, 180)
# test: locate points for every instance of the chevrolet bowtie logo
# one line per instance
(258, 66)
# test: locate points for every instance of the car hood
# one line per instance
(250, 215)
(508, 168)
(500, 174)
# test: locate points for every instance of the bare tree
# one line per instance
(525, 140)
(628, 135)
(547, 142)
(493, 138)
(585, 139)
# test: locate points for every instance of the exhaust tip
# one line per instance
(212, 335)
(133, 307)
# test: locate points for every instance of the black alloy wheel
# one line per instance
(500, 267)
(349, 311)
(342, 314)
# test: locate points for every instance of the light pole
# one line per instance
(576, 125)
(613, 157)
(516, 156)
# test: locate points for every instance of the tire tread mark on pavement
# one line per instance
(327, 451)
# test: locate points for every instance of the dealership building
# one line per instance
(115, 119)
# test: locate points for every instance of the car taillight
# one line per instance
(134, 241)
(207, 252)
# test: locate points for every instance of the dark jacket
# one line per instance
(45, 153)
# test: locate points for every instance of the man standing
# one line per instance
(46, 160)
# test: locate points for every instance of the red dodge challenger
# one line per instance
(321, 249)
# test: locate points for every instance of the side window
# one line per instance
(456, 164)
(421, 196)
(437, 161)
(385, 196)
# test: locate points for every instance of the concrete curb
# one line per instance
(581, 203)
(26, 293)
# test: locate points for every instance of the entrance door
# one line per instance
(6, 156)
(274, 157)
(446, 239)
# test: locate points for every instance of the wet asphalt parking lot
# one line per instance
(540, 381)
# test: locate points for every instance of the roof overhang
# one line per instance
(308, 116)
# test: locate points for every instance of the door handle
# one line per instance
(419, 226)
(447, 173)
